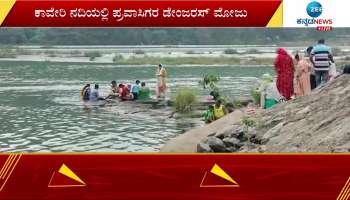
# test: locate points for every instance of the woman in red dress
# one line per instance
(285, 73)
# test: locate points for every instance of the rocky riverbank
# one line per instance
(315, 123)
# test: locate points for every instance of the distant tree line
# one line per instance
(146, 36)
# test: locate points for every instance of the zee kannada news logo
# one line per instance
(314, 10)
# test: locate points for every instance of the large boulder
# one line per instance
(216, 144)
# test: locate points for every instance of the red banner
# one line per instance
(160, 176)
(141, 13)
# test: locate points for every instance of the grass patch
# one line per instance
(185, 98)
(256, 95)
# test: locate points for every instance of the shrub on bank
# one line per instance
(256, 96)
(230, 51)
(92, 55)
(185, 98)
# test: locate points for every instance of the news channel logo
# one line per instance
(314, 9)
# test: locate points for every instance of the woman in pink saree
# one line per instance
(303, 70)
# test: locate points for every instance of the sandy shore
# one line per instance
(187, 142)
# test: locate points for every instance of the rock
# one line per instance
(238, 132)
(273, 132)
(232, 142)
(254, 139)
(232, 149)
(216, 144)
(203, 148)
(212, 134)
(225, 132)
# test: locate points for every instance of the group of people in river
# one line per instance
(297, 77)
(127, 92)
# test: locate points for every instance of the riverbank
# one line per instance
(152, 55)
(318, 122)
(187, 142)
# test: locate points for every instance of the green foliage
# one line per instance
(248, 122)
(230, 51)
(256, 95)
(92, 55)
(185, 98)
(209, 80)
(237, 103)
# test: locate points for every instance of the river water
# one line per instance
(40, 108)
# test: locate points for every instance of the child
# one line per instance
(219, 109)
(209, 115)
(135, 90)
(144, 92)
(269, 92)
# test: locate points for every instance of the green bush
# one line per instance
(185, 98)
(237, 103)
(209, 80)
(230, 51)
(248, 122)
(256, 96)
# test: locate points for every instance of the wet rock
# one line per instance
(216, 144)
(203, 148)
(238, 132)
(235, 131)
(232, 142)
(256, 140)
(225, 132)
